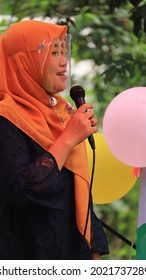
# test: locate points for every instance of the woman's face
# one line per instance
(54, 70)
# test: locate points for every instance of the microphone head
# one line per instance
(77, 92)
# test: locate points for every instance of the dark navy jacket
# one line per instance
(37, 211)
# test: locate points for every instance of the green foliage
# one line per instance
(110, 36)
(121, 215)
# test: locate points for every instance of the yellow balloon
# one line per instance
(112, 178)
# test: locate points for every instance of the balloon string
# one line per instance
(131, 244)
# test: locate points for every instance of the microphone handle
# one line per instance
(79, 102)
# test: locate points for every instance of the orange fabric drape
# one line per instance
(24, 101)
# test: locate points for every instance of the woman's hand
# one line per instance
(81, 125)
(95, 256)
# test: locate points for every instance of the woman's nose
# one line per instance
(62, 60)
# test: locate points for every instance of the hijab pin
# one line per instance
(69, 108)
(52, 101)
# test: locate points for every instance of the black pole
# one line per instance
(131, 244)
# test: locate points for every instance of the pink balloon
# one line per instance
(124, 126)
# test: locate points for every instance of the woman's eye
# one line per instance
(55, 53)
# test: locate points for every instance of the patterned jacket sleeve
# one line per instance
(26, 176)
(99, 242)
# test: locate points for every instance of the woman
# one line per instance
(44, 181)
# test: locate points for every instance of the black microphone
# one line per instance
(77, 93)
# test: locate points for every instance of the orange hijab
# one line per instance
(24, 101)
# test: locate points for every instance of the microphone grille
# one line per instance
(76, 92)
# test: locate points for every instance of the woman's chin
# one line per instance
(56, 89)
(60, 88)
